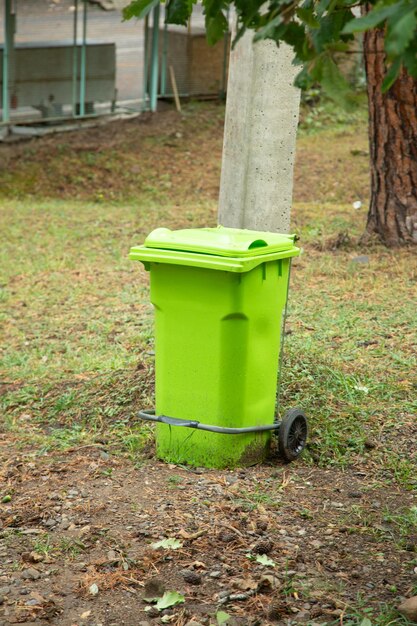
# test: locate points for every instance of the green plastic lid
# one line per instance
(226, 249)
(220, 241)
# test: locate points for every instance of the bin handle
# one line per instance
(149, 415)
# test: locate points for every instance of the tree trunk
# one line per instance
(393, 149)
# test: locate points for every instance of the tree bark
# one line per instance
(393, 149)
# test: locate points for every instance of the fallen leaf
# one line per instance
(170, 598)
(268, 583)
(222, 617)
(263, 559)
(244, 584)
(167, 544)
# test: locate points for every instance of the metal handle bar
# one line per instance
(150, 416)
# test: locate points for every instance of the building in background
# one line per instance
(63, 59)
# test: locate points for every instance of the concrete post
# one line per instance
(259, 139)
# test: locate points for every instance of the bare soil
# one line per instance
(87, 517)
(170, 156)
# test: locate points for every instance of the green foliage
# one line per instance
(317, 30)
(263, 559)
(139, 8)
(170, 598)
(168, 544)
(222, 618)
(179, 11)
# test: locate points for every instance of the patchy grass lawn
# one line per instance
(77, 364)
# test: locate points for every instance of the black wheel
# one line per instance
(292, 435)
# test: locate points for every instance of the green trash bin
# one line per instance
(220, 298)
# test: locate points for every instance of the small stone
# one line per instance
(153, 611)
(408, 608)
(192, 578)
(268, 583)
(80, 567)
(4, 591)
(31, 574)
(112, 555)
(154, 588)
(93, 589)
(303, 616)
(35, 557)
(355, 494)
(33, 602)
(215, 574)
(85, 614)
(50, 522)
(362, 258)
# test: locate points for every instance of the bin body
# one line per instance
(217, 341)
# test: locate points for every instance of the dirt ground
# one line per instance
(168, 156)
(87, 517)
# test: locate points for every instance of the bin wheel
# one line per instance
(292, 435)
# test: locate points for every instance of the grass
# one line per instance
(385, 616)
(77, 356)
(351, 368)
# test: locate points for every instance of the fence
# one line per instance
(70, 60)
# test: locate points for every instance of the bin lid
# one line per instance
(221, 241)
(221, 248)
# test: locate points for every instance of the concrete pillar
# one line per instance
(259, 139)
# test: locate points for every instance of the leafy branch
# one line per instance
(316, 30)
